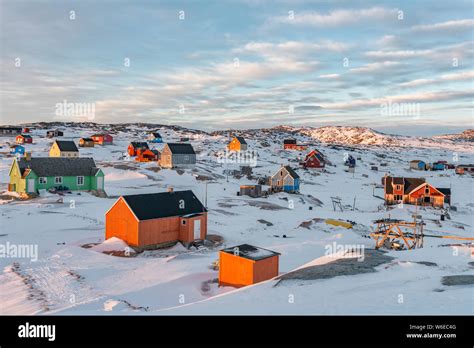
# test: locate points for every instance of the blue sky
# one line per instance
(242, 64)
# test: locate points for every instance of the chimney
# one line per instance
(170, 189)
(27, 156)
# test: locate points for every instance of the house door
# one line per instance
(31, 185)
(100, 183)
(197, 229)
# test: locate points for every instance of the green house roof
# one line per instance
(59, 166)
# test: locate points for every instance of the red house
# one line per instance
(290, 144)
(147, 155)
(414, 191)
(102, 139)
(314, 159)
(26, 130)
(24, 139)
(135, 146)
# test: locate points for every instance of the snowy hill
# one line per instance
(77, 273)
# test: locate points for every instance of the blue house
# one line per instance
(285, 179)
(438, 166)
(17, 150)
(155, 137)
(418, 165)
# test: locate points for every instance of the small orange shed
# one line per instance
(246, 264)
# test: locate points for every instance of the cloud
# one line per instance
(454, 25)
(461, 76)
(374, 67)
(422, 97)
(337, 17)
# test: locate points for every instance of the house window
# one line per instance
(398, 197)
(183, 222)
(58, 179)
(427, 190)
(80, 180)
(399, 187)
(43, 180)
(186, 158)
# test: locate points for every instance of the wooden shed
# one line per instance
(253, 191)
(246, 264)
(154, 219)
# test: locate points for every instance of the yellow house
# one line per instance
(63, 148)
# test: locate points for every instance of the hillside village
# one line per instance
(167, 220)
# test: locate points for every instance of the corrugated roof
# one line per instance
(66, 145)
(250, 252)
(59, 166)
(164, 204)
(179, 148)
(289, 141)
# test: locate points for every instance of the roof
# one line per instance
(465, 165)
(241, 140)
(87, 139)
(59, 166)
(100, 135)
(444, 191)
(178, 148)
(292, 172)
(409, 183)
(164, 204)
(251, 252)
(289, 141)
(66, 145)
(139, 144)
(26, 136)
(417, 161)
(156, 134)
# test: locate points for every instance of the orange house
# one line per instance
(246, 264)
(150, 220)
(412, 191)
(147, 155)
(237, 144)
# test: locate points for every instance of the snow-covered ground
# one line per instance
(68, 278)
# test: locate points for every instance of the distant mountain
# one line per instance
(467, 135)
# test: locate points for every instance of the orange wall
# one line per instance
(265, 269)
(234, 145)
(186, 232)
(234, 270)
(158, 231)
(121, 223)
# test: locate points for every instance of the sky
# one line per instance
(404, 67)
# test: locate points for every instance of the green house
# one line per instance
(29, 175)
